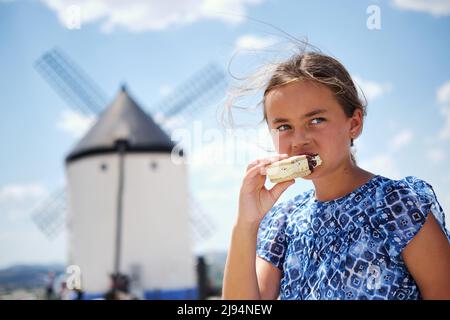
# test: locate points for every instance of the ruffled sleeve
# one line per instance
(406, 206)
(271, 242)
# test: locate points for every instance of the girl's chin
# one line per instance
(314, 175)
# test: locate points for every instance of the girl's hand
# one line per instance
(255, 200)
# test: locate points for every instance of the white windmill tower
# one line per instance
(129, 208)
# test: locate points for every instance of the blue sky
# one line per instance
(403, 67)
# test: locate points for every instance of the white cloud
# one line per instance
(443, 93)
(403, 138)
(383, 164)
(436, 155)
(21, 191)
(372, 90)
(17, 200)
(434, 7)
(231, 11)
(444, 134)
(252, 42)
(145, 15)
(74, 123)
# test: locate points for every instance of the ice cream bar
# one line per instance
(293, 167)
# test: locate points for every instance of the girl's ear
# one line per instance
(356, 123)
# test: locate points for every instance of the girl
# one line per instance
(356, 235)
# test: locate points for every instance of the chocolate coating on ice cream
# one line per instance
(311, 163)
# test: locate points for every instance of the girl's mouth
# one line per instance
(312, 154)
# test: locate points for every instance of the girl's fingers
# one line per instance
(253, 172)
(279, 188)
(252, 164)
(263, 163)
(267, 160)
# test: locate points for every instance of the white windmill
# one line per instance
(129, 208)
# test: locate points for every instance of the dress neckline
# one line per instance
(361, 188)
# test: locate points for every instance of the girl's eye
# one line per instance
(319, 119)
(283, 127)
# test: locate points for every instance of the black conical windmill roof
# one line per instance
(122, 120)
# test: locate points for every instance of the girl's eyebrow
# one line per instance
(309, 114)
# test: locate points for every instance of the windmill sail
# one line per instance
(194, 93)
(200, 221)
(71, 83)
(50, 215)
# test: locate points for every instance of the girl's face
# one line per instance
(305, 118)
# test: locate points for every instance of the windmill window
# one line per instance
(104, 167)
(153, 165)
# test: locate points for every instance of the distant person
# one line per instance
(119, 288)
(202, 278)
(64, 292)
(49, 286)
(79, 294)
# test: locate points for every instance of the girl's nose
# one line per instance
(299, 139)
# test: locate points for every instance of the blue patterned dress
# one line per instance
(348, 248)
